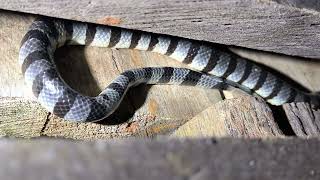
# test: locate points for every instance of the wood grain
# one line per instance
(25, 118)
(304, 120)
(21, 118)
(228, 158)
(257, 24)
(252, 119)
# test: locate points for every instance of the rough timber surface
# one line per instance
(221, 159)
(23, 118)
(146, 111)
(283, 26)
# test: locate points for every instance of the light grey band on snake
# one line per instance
(215, 67)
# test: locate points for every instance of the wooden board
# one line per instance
(287, 28)
(252, 119)
(278, 159)
(23, 118)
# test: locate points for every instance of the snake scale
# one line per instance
(216, 67)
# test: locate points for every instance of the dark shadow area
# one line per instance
(74, 69)
(132, 101)
(281, 119)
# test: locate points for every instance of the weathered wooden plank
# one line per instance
(279, 159)
(21, 118)
(304, 120)
(25, 118)
(256, 24)
(252, 119)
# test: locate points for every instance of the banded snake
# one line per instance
(216, 67)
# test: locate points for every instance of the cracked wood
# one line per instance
(282, 26)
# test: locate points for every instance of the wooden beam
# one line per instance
(252, 119)
(282, 26)
(304, 120)
(279, 159)
(24, 118)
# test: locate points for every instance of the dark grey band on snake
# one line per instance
(217, 67)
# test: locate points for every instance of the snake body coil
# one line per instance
(218, 66)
